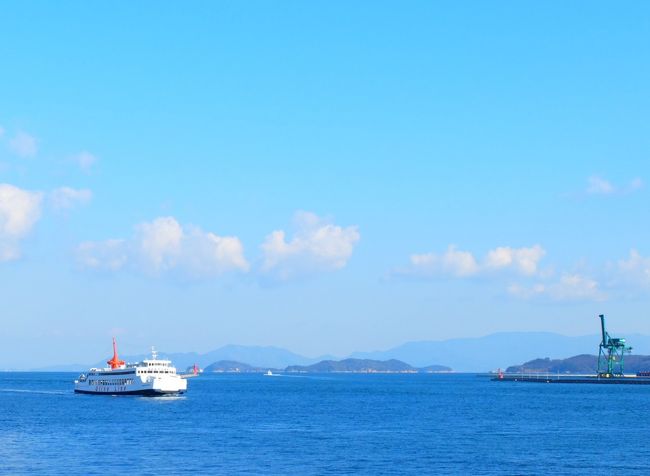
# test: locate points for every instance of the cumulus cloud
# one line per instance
(65, 197)
(164, 245)
(85, 160)
(635, 184)
(622, 279)
(503, 262)
(316, 245)
(570, 287)
(23, 144)
(108, 255)
(19, 211)
(460, 264)
(524, 260)
(599, 186)
(635, 270)
(518, 271)
(452, 262)
(159, 243)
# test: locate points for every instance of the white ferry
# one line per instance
(150, 377)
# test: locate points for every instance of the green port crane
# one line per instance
(610, 353)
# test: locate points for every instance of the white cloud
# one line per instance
(206, 253)
(524, 260)
(599, 186)
(526, 292)
(453, 262)
(163, 245)
(635, 184)
(23, 144)
(576, 287)
(110, 255)
(316, 246)
(504, 259)
(159, 243)
(85, 160)
(460, 264)
(570, 287)
(66, 197)
(635, 269)
(19, 211)
(625, 278)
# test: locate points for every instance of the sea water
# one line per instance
(325, 424)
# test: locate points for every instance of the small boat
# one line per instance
(151, 377)
(269, 374)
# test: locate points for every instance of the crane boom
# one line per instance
(611, 353)
(602, 327)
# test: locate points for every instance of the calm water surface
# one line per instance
(325, 424)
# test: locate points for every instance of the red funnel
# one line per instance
(115, 362)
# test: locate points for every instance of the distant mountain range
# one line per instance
(497, 350)
(326, 366)
(231, 366)
(579, 364)
(254, 356)
(463, 355)
(364, 365)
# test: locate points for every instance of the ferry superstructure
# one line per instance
(153, 377)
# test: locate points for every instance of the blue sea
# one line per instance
(326, 424)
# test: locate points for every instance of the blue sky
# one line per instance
(322, 176)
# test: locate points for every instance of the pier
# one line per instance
(611, 355)
(590, 379)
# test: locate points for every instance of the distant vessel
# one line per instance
(151, 377)
(194, 370)
(269, 373)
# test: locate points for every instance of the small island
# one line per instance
(364, 366)
(578, 364)
(232, 366)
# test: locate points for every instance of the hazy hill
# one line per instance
(233, 366)
(463, 355)
(353, 365)
(497, 350)
(255, 356)
(579, 364)
(362, 365)
(324, 366)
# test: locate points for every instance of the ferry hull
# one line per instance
(158, 386)
(151, 377)
(150, 392)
